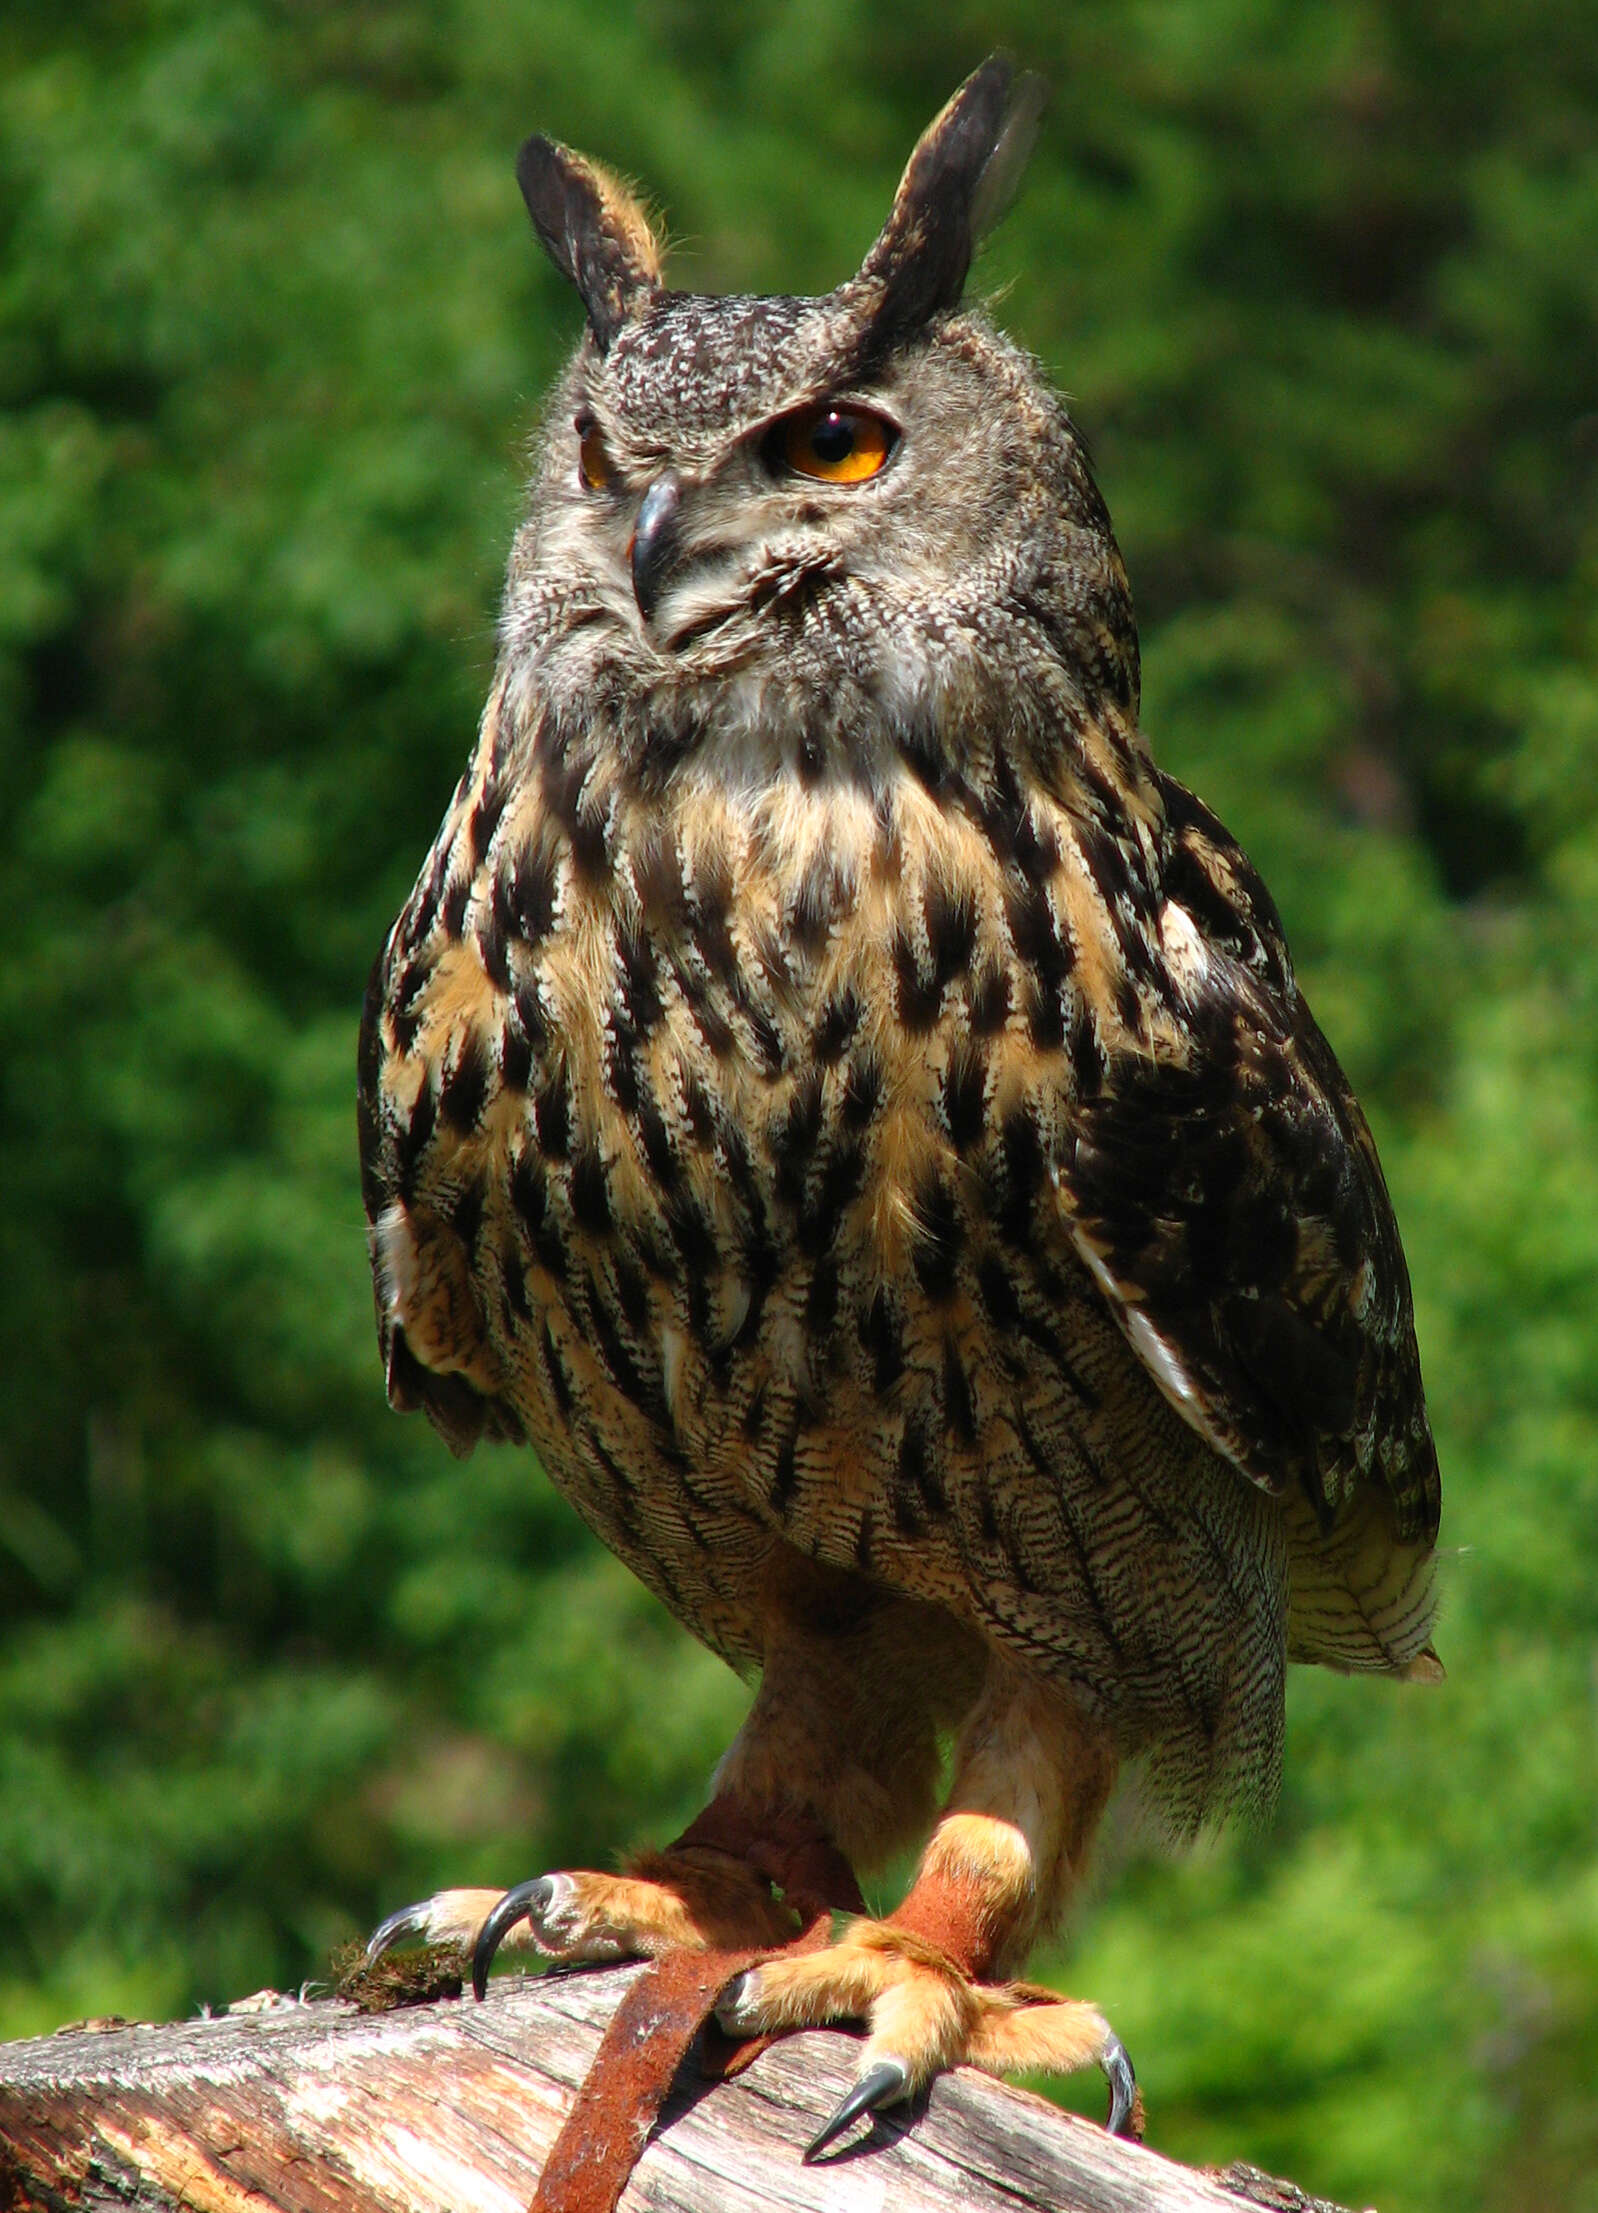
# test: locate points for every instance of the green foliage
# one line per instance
(271, 326)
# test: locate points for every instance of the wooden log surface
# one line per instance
(451, 2107)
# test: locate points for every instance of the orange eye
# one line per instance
(839, 445)
(594, 465)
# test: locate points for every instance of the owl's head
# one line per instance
(864, 490)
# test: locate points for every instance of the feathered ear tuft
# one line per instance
(593, 230)
(957, 184)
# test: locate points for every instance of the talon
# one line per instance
(1126, 2107)
(881, 2085)
(730, 2014)
(520, 1904)
(409, 1921)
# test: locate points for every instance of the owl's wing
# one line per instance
(437, 1355)
(1230, 1205)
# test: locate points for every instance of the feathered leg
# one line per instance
(836, 1762)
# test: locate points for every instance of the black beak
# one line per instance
(652, 548)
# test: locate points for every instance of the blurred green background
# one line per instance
(1323, 280)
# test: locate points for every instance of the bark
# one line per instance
(451, 2107)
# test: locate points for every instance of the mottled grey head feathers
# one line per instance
(957, 184)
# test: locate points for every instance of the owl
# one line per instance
(836, 1099)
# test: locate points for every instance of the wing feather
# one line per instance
(1228, 1201)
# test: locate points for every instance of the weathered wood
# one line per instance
(452, 2107)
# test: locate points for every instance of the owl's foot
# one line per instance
(925, 2013)
(671, 1901)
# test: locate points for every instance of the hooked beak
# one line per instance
(652, 549)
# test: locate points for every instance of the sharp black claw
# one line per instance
(881, 2085)
(409, 1921)
(1123, 2086)
(516, 1905)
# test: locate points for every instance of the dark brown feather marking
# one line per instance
(883, 1339)
(590, 1192)
(552, 1114)
(839, 1020)
(965, 1096)
(989, 1000)
(936, 1239)
(919, 995)
(465, 1087)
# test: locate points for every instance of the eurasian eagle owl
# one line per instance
(851, 1113)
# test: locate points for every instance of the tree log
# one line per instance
(450, 2107)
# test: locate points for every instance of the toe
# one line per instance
(922, 2019)
(919, 2014)
(448, 1917)
(565, 1919)
(803, 1990)
(1023, 2030)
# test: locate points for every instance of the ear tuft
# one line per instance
(955, 187)
(594, 231)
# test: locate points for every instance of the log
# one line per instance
(311, 2105)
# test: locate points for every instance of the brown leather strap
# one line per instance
(619, 2102)
(604, 2134)
(620, 2099)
